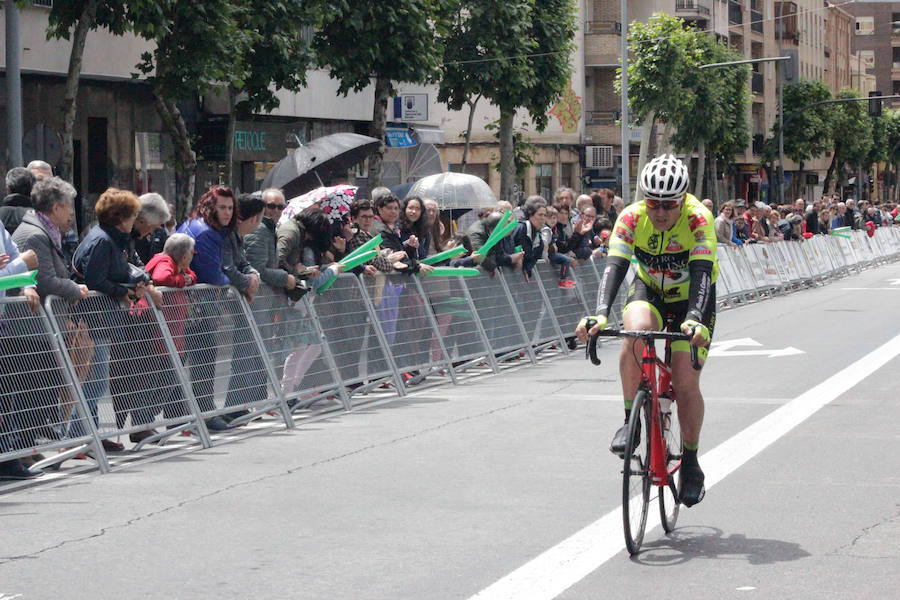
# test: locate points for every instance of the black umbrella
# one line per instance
(310, 166)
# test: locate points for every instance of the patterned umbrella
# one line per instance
(334, 202)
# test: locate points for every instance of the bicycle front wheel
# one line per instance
(668, 494)
(636, 473)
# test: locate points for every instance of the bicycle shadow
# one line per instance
(688, 543)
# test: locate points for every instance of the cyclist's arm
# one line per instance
(701, 265)
(700, 293)
(613, 276)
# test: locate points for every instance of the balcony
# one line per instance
(691, 6)
(827, 50)
(735, 13)
(601, 117)
(601, 27)
(757, 85)
(756, 21)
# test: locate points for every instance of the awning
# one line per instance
(428, 134)
(396, 137)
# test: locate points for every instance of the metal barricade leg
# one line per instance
(515, 312)
(379, 332)
(491, 359)
(435, 329)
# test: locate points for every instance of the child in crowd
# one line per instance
(556, 249)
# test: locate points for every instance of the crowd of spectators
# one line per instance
(740, 223)
(243, 242)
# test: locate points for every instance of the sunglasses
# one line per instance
(663, 204)
(278, 206)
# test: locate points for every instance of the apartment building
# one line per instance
(876, 42)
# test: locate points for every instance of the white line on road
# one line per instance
(573, 559)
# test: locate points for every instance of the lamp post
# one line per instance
(626, 133)
(777, 60)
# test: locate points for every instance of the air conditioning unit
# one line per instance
(598, 157)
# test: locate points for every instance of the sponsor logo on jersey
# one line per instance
(674, 246)
(699, 236)
(624, 234)
(701, 251)
(627, 219)
(653, 242)
(697, 221)
(662, 262)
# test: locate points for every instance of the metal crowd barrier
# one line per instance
(76, 376)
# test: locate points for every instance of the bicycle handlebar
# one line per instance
(647, 336)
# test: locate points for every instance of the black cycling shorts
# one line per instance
(671, 313)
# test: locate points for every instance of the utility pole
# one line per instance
(13, 87)
(779, 89)
(626, 133)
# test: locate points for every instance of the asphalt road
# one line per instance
(503, 487)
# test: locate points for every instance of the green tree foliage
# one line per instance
(851, 135)
(705, 108)
(195, 45)
(807, 132)
(400, 41)
(486, 47)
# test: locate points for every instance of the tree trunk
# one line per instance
(712, 179)
(70, 98)
(379, 123)
(229, 140)
(465, 156)
(665, 147)
(647, 128)
(701, 168)
(185, 157)
(507, 155)
(826, 185)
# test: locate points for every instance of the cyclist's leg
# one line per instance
(686, 383)
(641, 313)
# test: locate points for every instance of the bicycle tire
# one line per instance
(636, 473)
(668, 494)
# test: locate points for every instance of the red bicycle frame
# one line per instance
(650, 362)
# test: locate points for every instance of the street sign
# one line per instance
(411, 107)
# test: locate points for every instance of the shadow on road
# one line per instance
(688, 543)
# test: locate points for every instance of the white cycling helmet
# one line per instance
(664, 178)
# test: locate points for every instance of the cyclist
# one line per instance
(672, 237)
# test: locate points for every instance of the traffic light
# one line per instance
(874, 105)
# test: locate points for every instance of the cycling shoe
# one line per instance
(617, 446)
(691, 489)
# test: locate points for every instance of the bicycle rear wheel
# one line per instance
(636, 474)
(668, 494)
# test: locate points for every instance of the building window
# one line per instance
(565, 176)
(865, 25)
(895, 23)
(543, 179)
(896, 57)
(895, 87)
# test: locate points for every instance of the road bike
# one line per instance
(654, 459)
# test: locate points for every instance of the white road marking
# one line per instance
(724, 348)
(562, 566)
(868, 289)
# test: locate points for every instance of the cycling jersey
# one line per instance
(663, 257)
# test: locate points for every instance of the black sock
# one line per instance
(627, 414)
(688, 456)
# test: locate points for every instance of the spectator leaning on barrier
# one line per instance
(724, 225)
(775, 234)
(412, 225)
(387, 225)
(838, 219)
(501, 255)
(41, 231)
(262, 247)
(528, 233)
(214, 217)
(234, 260)
(362, 214)
(105, 261)
(149, 230)
(741, 231)
(436, 233)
